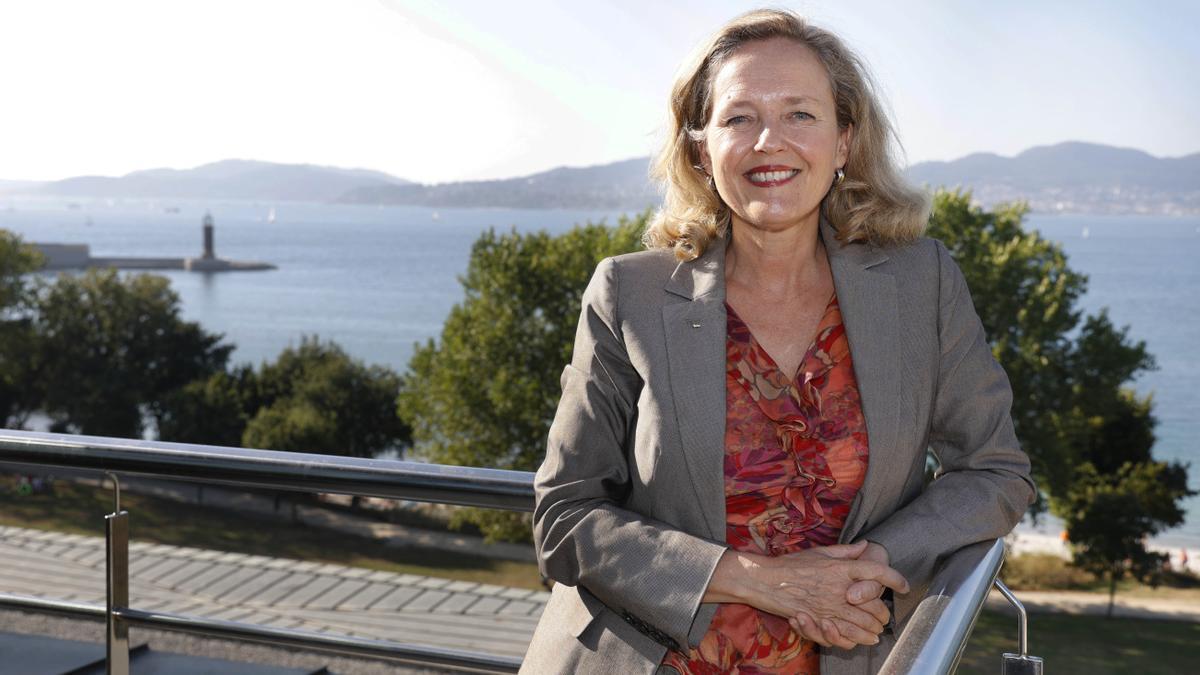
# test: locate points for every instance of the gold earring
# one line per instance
(838, 177)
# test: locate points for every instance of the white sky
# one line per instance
(437, 91)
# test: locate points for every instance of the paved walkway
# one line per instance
(277, 592)
(1096, 604)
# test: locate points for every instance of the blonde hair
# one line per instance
(874, 203)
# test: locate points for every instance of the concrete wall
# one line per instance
(64, 256)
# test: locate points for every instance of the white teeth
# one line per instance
(768, 176)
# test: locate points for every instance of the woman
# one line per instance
(734, 480)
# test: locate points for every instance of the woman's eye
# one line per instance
(736, 120)
(801, 115)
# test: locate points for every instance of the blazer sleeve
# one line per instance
(649, 573)
(983, 485)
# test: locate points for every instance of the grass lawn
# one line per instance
(1085, 644)
(1043, 572)
(80, 509)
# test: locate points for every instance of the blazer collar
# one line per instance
(860, 255)
(706, 274)
(702, 276)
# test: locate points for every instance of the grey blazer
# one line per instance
(630, 516)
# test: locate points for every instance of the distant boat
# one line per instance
(171, 209)
(1087, 232)
(271, 215)
(436, 216)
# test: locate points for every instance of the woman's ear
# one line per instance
(845, 137)
(705, 159)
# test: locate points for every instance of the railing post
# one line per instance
(1022, 663)
(116, 528)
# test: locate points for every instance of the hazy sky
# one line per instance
(447, 90)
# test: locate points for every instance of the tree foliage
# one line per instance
(1088, 434)
(312, 398)
(1025, 295)
(108, 349)
(17, 398)
(209, 411)
(315, 398)
(484, 393)
(1109, 515)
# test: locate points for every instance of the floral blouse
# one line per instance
(795, 456)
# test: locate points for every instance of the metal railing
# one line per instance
(936, 634)
(932, 641)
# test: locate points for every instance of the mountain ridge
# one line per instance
(1072, 176)
(224, 179)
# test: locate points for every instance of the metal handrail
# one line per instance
(936, 633)
(931, 642)
(291, 471)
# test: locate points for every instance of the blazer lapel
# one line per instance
(695, 333)
(868, 299)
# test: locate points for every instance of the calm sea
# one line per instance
(377, 280)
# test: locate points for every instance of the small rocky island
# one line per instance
(78, 256)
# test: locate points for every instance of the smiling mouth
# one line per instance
(771, 178)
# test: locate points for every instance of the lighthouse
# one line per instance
(208, 260)
(208, 236)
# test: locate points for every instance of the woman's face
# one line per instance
(772, 143)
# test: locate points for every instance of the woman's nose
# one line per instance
(769, 139)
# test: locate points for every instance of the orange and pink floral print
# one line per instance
(795, 456)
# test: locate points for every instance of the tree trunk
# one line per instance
(1112, 593)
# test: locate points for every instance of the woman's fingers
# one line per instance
(870, 571)
(832, 632)
(861, 618)
(863, 591)
(877, 609)
(834, 636)
(806, 628)
(856, 634)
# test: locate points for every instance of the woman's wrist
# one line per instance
(733, 580)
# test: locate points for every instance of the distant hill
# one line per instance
(1075, 177)
(7, 186)
(228, 179)
(620, 185)
(1070, 177)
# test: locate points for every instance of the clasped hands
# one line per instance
(830, 595)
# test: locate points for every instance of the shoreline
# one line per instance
(1047, 537)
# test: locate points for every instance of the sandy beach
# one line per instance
(1047, 537)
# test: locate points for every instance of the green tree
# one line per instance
(1087, 432)
(484, 394)
(210, 411)
(1110, 515)
(312, 398)
(17, 397)
(315, 398)
(1025, 295)
(109, 349)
